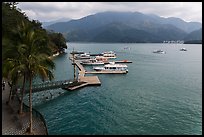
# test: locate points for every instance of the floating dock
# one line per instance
(91, 80)
(123, 61)
(85, 80)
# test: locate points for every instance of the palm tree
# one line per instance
(28, 58)
(36, 59)
(12, 65)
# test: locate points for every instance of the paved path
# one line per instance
(12, 123)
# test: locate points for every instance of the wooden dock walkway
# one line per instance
(81, 69)
(86, 80)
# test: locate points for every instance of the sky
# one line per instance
(49, 11)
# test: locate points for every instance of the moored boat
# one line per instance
(83, 56)
(92, 62)
(112, 67)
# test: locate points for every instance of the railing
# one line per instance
(40, 87)
(34, 112)
(48, 85)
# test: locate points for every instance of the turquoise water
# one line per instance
(161, 93)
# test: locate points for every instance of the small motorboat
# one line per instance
(183, 49)
(159, 51)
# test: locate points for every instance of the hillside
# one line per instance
(194, 35)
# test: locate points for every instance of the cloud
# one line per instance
(46, 11)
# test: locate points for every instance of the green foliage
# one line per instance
(25, 50)
(57, 41)
(12, 18)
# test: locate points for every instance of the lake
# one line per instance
(160, 95)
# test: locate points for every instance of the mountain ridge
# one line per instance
(154, 28)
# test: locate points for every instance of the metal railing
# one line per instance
(35, 113)
(47, 85)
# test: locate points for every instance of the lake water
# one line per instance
(161, 93)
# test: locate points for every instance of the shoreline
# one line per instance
(15, 124)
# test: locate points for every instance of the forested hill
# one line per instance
(124, 27)
(12, 18)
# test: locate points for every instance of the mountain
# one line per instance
(194, 37)
(186, 26)
(124, 27)
(45, 24)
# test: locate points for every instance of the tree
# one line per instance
(25, 51)
(13, 67)
(57, 41)
(36, 58)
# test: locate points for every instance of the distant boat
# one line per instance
(159, 51)
(183, 49)
(126, 47)
(109, 54)
(112, 67)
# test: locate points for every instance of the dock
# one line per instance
(123, 61)
(87, 81)
(84, 80)
(90, 80)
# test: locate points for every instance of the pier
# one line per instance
(90, 80)
(123, 61)
(82, 79)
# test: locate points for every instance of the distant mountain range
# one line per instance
(45, 24)
(127, 27)
(194, 37)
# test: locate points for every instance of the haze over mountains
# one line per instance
(47, 23)
(127, 27)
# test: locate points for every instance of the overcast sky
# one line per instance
(48, 11)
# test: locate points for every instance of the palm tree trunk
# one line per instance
(10, 94)
(22, 94)
(30, 105)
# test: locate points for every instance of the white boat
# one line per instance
(92, 62)
(112, 67)
(159, 51)
(101, 58)
(183, 49)
(109, 54)
(83, 56)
